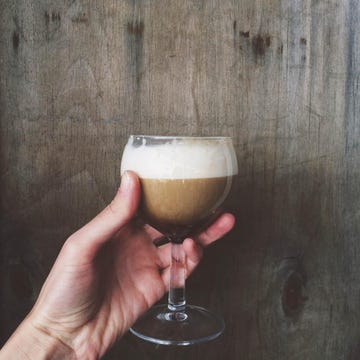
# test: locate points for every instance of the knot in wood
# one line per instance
(260, 44)
(135, 28)
(293, 298)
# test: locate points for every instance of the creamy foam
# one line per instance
(186, 158)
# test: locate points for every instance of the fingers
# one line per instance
(194, 253)
(194, 248)
(106, 224)
(216, 230)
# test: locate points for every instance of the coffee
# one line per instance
(184, 180)
(169, 204)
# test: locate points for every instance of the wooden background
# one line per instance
(282, 77)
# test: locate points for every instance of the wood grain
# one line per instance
(281, 77)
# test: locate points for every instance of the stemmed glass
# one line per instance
(184, 182)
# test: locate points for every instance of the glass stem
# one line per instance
(176, 300)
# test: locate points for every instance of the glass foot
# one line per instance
(162, 326)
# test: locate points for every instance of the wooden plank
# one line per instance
(77, 77)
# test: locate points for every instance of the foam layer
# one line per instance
(180, 159)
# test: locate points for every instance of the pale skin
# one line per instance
(107, 274)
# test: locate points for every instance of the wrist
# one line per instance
(31, 342)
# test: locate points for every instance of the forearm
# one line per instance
(27, 342)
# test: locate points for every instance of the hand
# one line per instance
(107, 274)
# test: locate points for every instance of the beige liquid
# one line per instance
(171, 205)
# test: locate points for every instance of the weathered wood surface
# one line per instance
(282, 77)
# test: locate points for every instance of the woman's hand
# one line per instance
(107, 274)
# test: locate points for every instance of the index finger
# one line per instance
(216, 230)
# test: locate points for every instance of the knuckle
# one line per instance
(118, 212)
(71, 246)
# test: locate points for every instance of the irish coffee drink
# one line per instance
(184, 182)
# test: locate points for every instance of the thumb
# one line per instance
(107, 223)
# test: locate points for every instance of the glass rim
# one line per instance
(179, 137)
